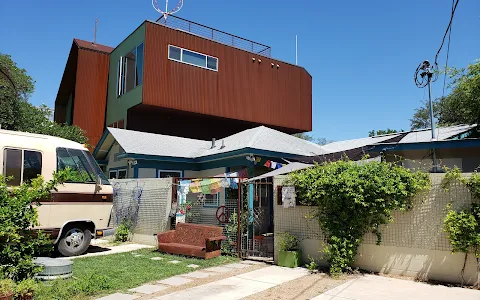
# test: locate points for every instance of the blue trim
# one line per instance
(135, 172)
(118, 168)
(102, 162)
(450, 144)
(210, 158)
(99, 144)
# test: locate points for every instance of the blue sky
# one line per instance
(361, 54)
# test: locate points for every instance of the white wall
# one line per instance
(413, 245)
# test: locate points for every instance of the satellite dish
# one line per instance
(167, 12)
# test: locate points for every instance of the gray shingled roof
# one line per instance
(442, 133)
(260, 138)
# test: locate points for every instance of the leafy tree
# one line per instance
(15, 86)
(421, 117)
(311, 138)
(461, 106)
(382, 132)
(16, 113)
(351, 199)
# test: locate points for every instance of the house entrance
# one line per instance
(243, 209)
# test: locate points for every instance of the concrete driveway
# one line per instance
(371, 287)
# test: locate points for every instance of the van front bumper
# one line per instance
(99, 233)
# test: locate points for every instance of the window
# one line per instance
(212, 200)
(112, 174)
(192, 58)
(169, 174)
(81, 163)
(22, 172)
(117, 174)
(130, 70)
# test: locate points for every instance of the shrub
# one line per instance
(122, 233)
(351, 199)
(17, 216)
(26, 287)
(7, 286)
(288, 242)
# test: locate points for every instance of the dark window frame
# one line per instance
(22, 165)
(182, 60)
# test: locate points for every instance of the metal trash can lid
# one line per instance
(54, 268)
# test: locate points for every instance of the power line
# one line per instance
(448, 52)
(446, 31)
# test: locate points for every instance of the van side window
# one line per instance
(22, 165)
(76, 161)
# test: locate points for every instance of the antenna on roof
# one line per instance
(167, 12)
(95, 32)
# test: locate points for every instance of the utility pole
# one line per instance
(424, 76)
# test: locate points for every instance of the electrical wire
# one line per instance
(446, 31)
(448, 52)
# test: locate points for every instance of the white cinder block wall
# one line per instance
(413, 245)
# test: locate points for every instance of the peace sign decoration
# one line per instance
(222, 214)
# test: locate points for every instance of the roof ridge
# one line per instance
(252, 141)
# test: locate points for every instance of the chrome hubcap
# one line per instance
(74, 238)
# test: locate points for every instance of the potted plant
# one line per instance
(7, 289)
(25, 289)
(288, 253)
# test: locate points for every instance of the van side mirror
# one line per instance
(98, 183)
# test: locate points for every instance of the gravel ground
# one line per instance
(302, 288)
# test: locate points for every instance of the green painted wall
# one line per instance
(117, 107)
(68, 111)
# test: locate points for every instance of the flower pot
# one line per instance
(26, 296)
(7, 296)
(291, 259)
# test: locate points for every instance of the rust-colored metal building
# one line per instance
(177, 77)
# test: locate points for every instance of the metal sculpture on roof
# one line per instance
(167, 12)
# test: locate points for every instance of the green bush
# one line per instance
(122, 233)
(7, 286)
(351, 199)
(287, 242)
(18, 244)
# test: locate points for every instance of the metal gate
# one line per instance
(243, 209)
(216, 206)
(257, 229)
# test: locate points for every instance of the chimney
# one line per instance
(213, 143)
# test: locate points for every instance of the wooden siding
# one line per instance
(91, 93)
(241, 89)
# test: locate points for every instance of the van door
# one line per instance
(80, 198)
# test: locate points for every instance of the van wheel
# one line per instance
(74, 242)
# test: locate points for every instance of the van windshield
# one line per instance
(83, 165)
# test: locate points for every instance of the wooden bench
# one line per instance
(192, 240)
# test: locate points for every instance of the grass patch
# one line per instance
(101, 275)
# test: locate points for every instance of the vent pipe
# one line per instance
(213, 143)
(223, 144)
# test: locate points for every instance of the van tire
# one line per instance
(75, 241)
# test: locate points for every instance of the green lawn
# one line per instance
(101, 275)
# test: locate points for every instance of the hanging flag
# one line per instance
(258, 159)
(279, 165)
(267, 164)
(273, 165)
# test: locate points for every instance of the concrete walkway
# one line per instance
(240, 286)
(371, 287)
(230, 288)
(98, 251)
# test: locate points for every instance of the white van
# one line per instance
(80, 209)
